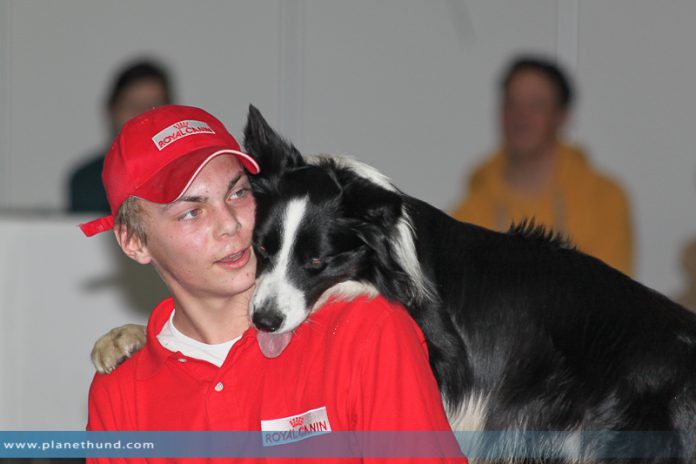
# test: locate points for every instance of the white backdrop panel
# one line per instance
(58, 292)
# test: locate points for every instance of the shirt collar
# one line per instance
(154, 354)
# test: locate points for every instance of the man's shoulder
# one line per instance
(485, 170)
(146, 360)
(369, 315)
(604, 191)
(121, 376)
(581, 169)
(610, 186)
(112, 398)
(372, 306)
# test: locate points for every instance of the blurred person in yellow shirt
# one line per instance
(536, 175)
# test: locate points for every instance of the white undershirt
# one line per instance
(173, 340)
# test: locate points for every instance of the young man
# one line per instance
(180, 198)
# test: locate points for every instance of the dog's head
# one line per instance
(319, 223)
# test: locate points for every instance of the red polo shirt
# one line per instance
(361, 364)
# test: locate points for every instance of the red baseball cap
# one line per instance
(157, 155)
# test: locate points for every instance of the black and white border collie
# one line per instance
(524, 332)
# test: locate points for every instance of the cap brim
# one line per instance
(170, 182)
(97, 226)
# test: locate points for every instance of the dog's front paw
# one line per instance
(117, 346)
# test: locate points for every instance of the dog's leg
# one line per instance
(117, 346)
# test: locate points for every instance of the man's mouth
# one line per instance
(236, 260)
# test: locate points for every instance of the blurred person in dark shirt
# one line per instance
(137, 87)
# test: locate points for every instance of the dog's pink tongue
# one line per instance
(272, 345)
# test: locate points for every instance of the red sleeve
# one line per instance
(104, 406)
(101, 412)
(394, 387)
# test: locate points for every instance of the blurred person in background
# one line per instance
(537, 175)
(138, 87)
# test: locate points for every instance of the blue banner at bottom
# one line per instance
(296, 444)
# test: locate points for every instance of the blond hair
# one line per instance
(130, 215)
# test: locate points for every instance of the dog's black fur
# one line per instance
(553, 339)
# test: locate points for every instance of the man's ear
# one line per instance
(132, 245)
(270, 150)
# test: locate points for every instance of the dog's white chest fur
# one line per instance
(471, 414)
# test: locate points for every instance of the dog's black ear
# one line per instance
(371, 204)
(373, 213)
(270, 150)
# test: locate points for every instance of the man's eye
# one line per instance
(190, 214)
(241, 193)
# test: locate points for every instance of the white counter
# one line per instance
(59, 291)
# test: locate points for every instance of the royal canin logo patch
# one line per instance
(294, 428)
(178, 131)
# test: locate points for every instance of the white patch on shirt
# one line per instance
(276, 285)
(296, 427)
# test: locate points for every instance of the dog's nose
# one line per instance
(268, 321)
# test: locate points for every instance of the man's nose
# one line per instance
(227, 222)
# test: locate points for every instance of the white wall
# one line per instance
(406, 85)
(637, 68)
(58, 292)
(58, 61)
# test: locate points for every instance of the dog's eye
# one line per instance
(261, 250)
(315, 263)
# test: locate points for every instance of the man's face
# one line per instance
(201, 243)
(532, 118)
(137, 98)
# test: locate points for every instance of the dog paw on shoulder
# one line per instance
(116, 346)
